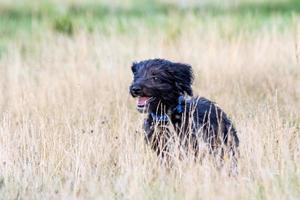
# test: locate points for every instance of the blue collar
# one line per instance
(164, 117)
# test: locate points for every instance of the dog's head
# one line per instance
(160, 81)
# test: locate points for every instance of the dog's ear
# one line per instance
(183, 75)
(134, 67)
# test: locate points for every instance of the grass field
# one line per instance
(70, 130)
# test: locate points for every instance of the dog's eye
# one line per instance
(155, 78)
(133, 69)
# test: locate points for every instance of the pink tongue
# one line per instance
(142, 101)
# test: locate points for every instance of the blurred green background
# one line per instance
(26, 20)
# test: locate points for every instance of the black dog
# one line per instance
(163, 89)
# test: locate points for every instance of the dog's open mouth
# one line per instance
(142, 103)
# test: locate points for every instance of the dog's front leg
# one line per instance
(148, 128)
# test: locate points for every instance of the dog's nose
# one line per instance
(136, 90)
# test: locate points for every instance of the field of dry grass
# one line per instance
(69, 128)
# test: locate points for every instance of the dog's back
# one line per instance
(200, 123)
(211, 125)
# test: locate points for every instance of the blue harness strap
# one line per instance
(179, 107)
(165, 118)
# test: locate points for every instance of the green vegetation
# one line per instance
(64, 24)
(16, 19)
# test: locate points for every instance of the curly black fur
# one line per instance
(200, 122)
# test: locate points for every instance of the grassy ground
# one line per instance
(69, 129)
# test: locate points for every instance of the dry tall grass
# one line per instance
(69, 128)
